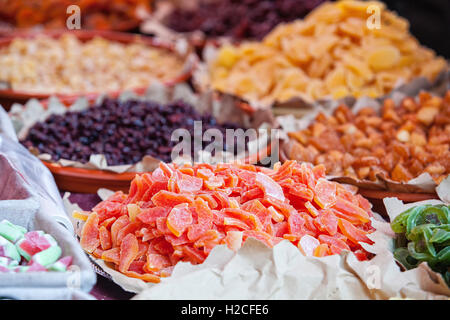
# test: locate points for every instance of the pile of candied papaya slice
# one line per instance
(181, 212)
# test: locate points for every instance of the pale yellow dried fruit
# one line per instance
(383, 58)
(335, 52)
(227, 57)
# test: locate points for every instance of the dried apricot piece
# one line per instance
(335, 244)
(301, 191)
(189, 183)
(195, 256)
(150, 215)
(156, 262)
(321, 250)
(233, 240)
(195, 231)
(169, 199)
(354, 234)
(327, 222)
(350, 209)
(179, 218)
(129, 249)
(111, 255)
(89, 233)
(147, 277)
(307, 245)
(325, 193)
(120, 223)
(105, 238)
(269, 187)
(296, 222)
(311, 209)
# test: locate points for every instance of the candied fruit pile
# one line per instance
(401, 143)
(332, 53)
(180, 213)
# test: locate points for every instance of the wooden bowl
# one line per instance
(10, 96)
(80, 180)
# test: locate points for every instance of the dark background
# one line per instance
(429, 21)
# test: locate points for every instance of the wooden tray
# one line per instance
(9, 96)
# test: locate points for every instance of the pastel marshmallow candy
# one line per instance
(35, 266)
(8, 249)
(62, 264)
(8, 263)
(34, 242)
(48, 256)
(10, 231)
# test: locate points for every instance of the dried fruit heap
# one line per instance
(239, 19)
(401, 143)
(53, 14)
(180, 214)
(123, 131)
(332, 53)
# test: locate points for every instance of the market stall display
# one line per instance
(332, 53)
(179, 213)
(235, 19)
(32, 241)
(67, 65)
(423, 235)
(124, 131)
(158, 162)
(23, 251)
(38, 64)
(399, 143)
(113, 138)
(116, 15)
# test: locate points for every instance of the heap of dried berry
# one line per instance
(239, 19)
(124, 131)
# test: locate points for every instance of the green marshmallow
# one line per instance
(4, 261)
(58, 266)
(20, 228)
(9, 249)
(47, 256)
(10, 231)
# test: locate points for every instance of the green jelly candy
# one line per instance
(58, 266)
(47, 256)
(4, 261)
(10, 231)
(9, 249)
(20, 228)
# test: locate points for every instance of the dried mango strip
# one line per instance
(145, 233)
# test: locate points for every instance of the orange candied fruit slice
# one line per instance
(325, 193)
(179, 218)
(180, 213)
(89, 234)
